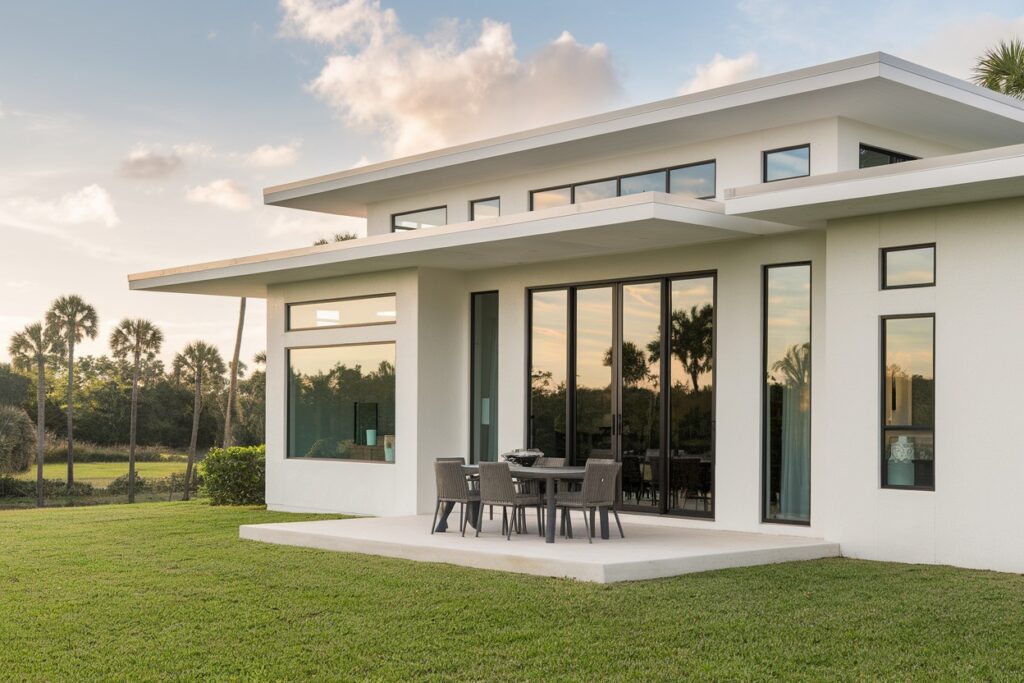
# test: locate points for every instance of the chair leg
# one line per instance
(616, 513)
(586, 526)
(515, 514)
(462, 509)
(465, 521)
(479, 519)
(437, 509)
(540, 524)
(504, 521)
(492, 512)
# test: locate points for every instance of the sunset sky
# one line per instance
(138, 135)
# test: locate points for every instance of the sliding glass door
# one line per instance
(625, 370)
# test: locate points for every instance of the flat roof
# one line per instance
(875, 88)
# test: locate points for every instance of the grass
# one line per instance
(167, 591)
(100, 474)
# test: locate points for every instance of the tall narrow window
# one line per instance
(787, 393)
(484, 371)
(908, 402)
(549, 371)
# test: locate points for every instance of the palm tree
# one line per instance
(31, 349)
(72, 320)
(233, 380)
(197, 363)
(138, 339)
(1001, 68)
(692, 341)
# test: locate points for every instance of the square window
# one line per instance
(484, 208)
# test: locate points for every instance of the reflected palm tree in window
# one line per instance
(691, 342)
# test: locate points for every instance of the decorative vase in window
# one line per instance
(389, 447)
(901, 462)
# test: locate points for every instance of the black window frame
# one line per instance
(883, 266)
(395, 228)
(894, 156)
(667, 170)
(764, 162)
(474, 202)
(882, 427)
(288, 312)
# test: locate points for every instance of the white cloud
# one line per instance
(90, 205)
(149, 164)
(722, 70)
(272, 156)
(955, 47)
(224, 193)
(449, 87)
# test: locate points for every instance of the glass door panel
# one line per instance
(549, 349)
(691, 390)
(594, 372)
(640, 361)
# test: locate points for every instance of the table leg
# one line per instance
(604, 523)
(442, 524)
(550, 488)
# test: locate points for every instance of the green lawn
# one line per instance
(166, 590)
(100, 474)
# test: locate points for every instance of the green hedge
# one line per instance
(235, 476)
(26, 488)
(17, 439)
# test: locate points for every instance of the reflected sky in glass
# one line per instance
(547, 199)
(789, 313)
(599, 190)
(907, 267)
(486, 208)
(429, 218)
(693, 181)
(549, 334)
(790, 163)
(648, 182)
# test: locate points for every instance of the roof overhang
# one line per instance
(938, 181)
(877, 89)
(634, 223)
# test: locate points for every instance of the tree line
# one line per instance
(129, 396)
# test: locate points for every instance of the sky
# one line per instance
(138, 135)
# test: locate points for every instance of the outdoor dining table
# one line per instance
(551, 475)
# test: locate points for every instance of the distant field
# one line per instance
(100, 474)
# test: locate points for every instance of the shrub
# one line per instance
(235, 476)
(119, 486)
(52, 488)
(16, 439)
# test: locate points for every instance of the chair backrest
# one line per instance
(545, 461)
(600, 480)
(451, 480)
(496, 484)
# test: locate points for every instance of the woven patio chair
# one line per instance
(497, 488)
(600, 480)
(452, 487)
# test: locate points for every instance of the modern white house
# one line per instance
(793, 305)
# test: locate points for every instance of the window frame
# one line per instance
(667, 170)
(882, 427)
(572, 193)
(883, 266)
(288, 312)
(474, 202)
(472, 362)
(764, 162)
(882, 150)
(395, 228)
(288, 403)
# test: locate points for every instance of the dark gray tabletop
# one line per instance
(520, 472)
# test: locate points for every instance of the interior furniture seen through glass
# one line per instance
(876, 156)
(370, 310)
(787, 393)
(416, 220)
(341, 402)
(908, 402)
(484, 208)
(790, 162)
(908, 266)
(484, 378)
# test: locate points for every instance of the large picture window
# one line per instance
(787, 393)
(908, 402)
(341, 402)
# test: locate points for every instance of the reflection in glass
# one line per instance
(549, 315)
(372, 310)
(484, 208)
(787, 163)
(787, 419)
(547, 199)
(875, 156)
(593, 374)
(415, 220)
(341, 402)
(484, 380)
(913, 267)
(641, 393)
(600, 190)
(696, 181)
(647, 182)
(908, 402)
(691, 412)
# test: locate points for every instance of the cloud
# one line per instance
(722, 70)
(148, 164)
(954, 48)
(272, 156)
(90, 205)
(452, 86)
(225, 193)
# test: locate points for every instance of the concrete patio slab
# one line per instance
(651, 549)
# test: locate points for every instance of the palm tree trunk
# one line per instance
(131, 430)
(40, 429)
(71, 395)
(196, 406)
(233, 384)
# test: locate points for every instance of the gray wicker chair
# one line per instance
(497, 488)
(600, 481)
(452, 487)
